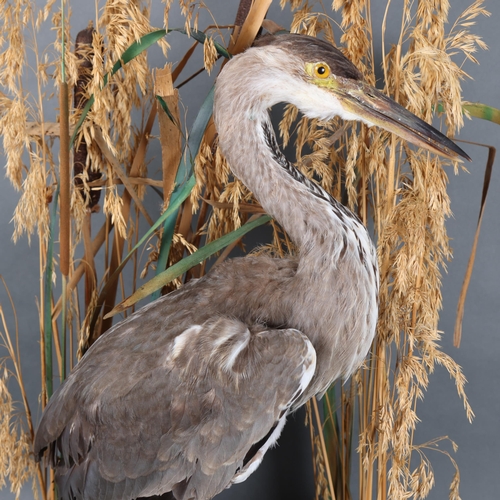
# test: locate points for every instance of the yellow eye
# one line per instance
(321, 70)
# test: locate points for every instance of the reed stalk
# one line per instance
(400, 192)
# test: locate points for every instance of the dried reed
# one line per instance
(400, 190)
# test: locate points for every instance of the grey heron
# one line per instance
(188, 393)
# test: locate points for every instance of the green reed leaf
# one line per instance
(478, 110)
(184, 170)
(47, 296)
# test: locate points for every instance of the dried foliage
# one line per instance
(400, 192)
(16, 430)
(16, 464)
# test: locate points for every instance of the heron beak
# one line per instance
(374, 108)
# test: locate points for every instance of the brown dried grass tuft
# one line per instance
(401, 190)
(16, 461)
(16, 427)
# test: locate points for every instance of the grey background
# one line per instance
(286, 471)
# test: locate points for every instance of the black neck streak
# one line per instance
(339, 210)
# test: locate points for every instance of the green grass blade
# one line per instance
(478, 110)
(164, 106)
(47, 305)
(138, 47)
(184, 170)
(195, 137)
(165, 246)
(79, 124)
(187, 263)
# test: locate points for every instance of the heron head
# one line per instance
(323, 83)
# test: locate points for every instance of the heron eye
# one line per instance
(322, 70)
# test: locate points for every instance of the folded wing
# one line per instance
(195, 414)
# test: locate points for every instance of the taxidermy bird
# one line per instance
(187, 394)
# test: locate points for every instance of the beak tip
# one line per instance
(460, 154)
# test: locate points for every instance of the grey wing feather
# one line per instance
(184, 420)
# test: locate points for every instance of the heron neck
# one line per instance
(337, 262)
(310, 216)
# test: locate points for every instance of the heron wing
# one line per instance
(190, 415)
